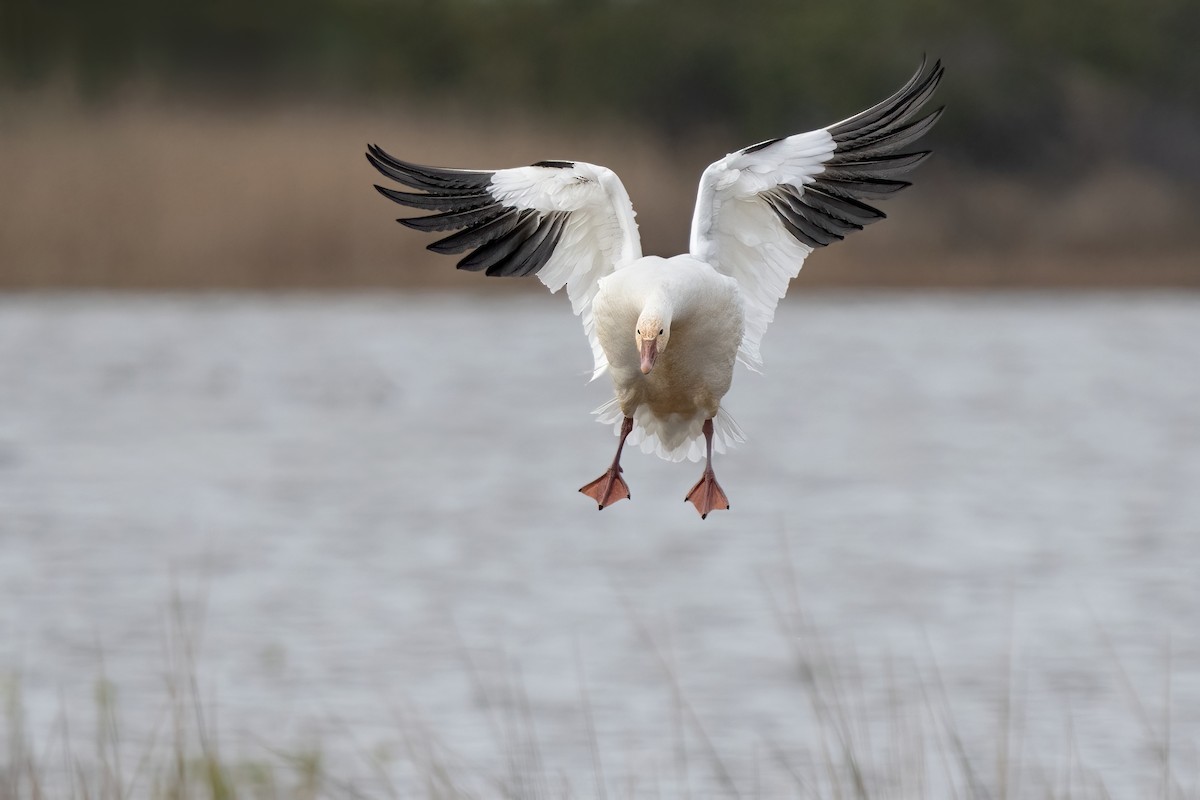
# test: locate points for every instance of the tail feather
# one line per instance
(674, 438)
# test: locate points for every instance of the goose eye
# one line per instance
(660, 330)
(639, 331)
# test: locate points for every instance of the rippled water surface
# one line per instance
(368, 508)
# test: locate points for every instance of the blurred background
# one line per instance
(218, 144)
(259, 539)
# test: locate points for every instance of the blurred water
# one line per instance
(365, 501)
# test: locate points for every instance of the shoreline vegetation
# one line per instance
(154, 191)
(861, 743)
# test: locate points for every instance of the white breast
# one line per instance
(693, 371)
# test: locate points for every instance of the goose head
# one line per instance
(651, 337)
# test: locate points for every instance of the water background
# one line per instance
(367, 508)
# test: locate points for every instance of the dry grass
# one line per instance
(154, 192)
(861, 744)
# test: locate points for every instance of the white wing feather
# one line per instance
(571, 223)
(734, 230)
(599, 236)
(762, 210)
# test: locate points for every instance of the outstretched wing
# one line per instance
(568, 222)
(762, 210)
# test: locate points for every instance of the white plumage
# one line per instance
(669, 330)
(702, 310)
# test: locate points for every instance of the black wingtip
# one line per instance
(424, 177)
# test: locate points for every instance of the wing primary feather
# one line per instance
(894, 114)
(805, 231)
(512, 264)
(497, 250)
(827, 220)
(801, 204)
(545, 246)
(900, 104)
(892, 140)
(797, 224)
(500, 247)
(479, 234)
(859, 187)
(554, 164)
(537, 250)
(879, 109)
(403, 177)
(518, 245)
(420, 176)
(903, 112)
(453, 220)
(846, 208)
(876, 167)
(436, 202)
(523, 251)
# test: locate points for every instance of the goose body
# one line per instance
(703, 309)
(669, 330)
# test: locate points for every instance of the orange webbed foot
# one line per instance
(608, 488)
(707, 495)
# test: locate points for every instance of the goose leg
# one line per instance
(707, 495)
(611, 487)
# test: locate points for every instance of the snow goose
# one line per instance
(668, 330)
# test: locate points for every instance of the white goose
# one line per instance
(669, 330)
